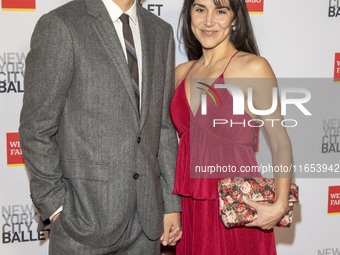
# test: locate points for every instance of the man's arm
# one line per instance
(168, 142)
(167, 155)
(48, 74)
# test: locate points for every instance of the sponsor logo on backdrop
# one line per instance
(337, 68)
(14, 155)
(18, 5)
(19, 224)
(255, 6)
(334, 8)
(12, 70)
(333, 200)
(154, 8)
(329, 251)
(331, 138)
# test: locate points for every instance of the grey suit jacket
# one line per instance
(81, 136)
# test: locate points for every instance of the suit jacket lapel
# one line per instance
(106, 32)
(148, 48)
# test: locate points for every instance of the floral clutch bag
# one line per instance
(234, 212)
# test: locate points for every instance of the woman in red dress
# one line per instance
(220, 44)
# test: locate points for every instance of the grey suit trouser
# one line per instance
(132, 242)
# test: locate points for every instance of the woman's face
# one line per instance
(211, 24)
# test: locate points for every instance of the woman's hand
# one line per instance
(268, 215)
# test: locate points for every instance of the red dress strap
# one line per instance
(229, 61)
(191, 68)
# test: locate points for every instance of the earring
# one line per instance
(234, 28)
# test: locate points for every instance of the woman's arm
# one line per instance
(262, 85)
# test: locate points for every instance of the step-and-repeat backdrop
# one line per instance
(300, 39)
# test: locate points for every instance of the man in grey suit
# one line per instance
(95, 129)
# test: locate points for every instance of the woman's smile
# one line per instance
(209, 33)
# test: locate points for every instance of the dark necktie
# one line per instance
(131, 55)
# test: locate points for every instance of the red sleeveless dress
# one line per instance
(203, 231)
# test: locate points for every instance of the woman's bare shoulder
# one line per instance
(181, 71)
(255, 66)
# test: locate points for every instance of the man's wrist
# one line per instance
(55, 213)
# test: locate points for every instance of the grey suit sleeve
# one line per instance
(48, 74)
(168, 140)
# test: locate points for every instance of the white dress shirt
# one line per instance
(115, 12)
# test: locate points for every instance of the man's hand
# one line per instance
(172, 229)
(55, 217)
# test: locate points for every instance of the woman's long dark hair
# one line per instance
(243, 38)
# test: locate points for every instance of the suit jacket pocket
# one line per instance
(85, 170)
(85, 204)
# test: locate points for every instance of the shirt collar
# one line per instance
(115, 12)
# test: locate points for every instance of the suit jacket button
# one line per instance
(139, 140)
(136, 176)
